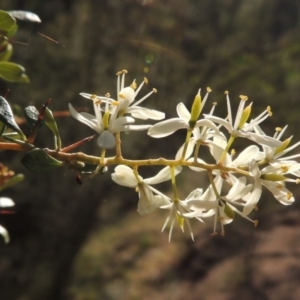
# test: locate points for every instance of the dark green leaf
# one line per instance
(13, 72)
(7, 117)
(7, 21)
(39, 161)
(31, 115)
(50, 122)
(25, 16)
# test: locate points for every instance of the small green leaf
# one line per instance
(50, 122)
(39, 161)
(7, 51)
(12, 181)
(25, 16)
(7, 21)
(7, 117)
(13, 72)
(31, 115)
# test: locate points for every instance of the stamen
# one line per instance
(243, 98)
(133, 85)
(226, 93)
(145, 80)
(284, 169)
(208, 89)
(278, 129)
(142, 99)
(269, 111)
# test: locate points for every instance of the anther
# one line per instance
(243, 98)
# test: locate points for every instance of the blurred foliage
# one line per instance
(9, 71)
(248, 47)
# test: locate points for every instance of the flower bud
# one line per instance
(195, 111)
(245, 116)
(283, 146)
(273, 177)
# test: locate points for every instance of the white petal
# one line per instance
(220, 121)
(6, 202)
(167, 127)
(252, 198)
(263, 140)
(208, 124)
(189, 150)
(145, 113)
(127, 93)
(183, 113)
(163, 201)
(147, 203)
(254, 170)
(124, 176)
(135, 127)
(196, 169)
(5, 234)
(246, 156)
(281, 194)
(118, 124)
(162, 175)
(106, 140)
(86, 119)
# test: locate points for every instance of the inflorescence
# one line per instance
(236, 181)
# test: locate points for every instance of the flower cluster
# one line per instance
(235, 180)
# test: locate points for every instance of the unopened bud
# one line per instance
(273, 177)
(245, 115)
(283, 146)
(195, 111)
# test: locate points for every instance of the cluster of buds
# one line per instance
(236, 180)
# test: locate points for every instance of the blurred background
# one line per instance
(86, 242)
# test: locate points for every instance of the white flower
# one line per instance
(125, 176)
(271, 154)
(5, 202)
(126, 97)
(200, 136)
(167, 127)
(107, 124)
(273, 178)
(222, 207)
(242, 129)
(178, 210)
